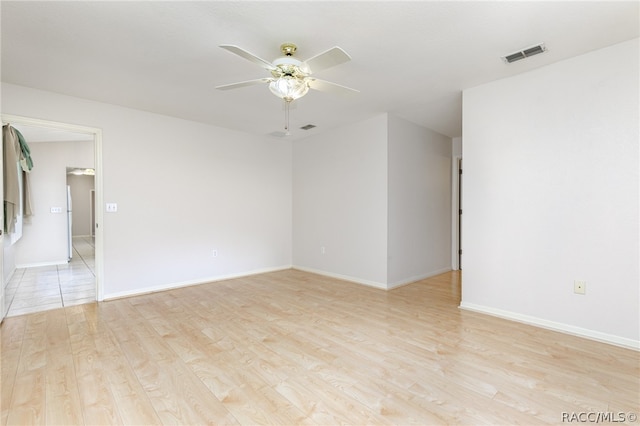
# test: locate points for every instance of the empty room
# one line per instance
(320, 212)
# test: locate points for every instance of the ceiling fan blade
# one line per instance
(327, 86)
(243, 84)
(327, 59)
(248, 56)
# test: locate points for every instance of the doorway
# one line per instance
(60, 131)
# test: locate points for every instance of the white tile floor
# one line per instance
(49, 287)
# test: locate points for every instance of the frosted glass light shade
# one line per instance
(289, 88)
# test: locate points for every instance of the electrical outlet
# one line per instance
(579, 287)
(215, 253)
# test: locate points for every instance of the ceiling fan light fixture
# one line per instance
(81, 172)
(290, 78)
(289, 88)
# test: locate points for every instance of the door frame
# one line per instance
(456, 215)
(3, 310)
(99, 213)
(92, 210)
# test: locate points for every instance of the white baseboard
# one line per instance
(417, 278)
(342, 277)
(556, 326)
(373, 283)
(171, 286)
(38, 264)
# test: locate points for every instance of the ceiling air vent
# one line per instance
(308, 127)
(524, 53)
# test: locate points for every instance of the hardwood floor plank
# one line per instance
(96, 398)
(319, 406)
(62, 394)
(29, 388)
(133, 403)
(33, 354)
(12, 333)
(28, 401)
(11, 339)
(174, 391)
(9, 365)
(291, 347)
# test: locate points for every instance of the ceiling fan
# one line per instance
(291, 78)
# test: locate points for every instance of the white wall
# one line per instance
(419, 193)
(44, 235)
(340, 202)
(551, 195)
(377, 196)
(183, 189)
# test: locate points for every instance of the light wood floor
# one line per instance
(294, 348)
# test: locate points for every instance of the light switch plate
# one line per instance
(112, 207)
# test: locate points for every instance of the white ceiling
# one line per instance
(409, 58)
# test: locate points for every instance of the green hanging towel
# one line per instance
(25, 159)
(26, 163)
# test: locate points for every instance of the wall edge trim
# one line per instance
(416, 278)
(554, 326)
(40, 264)
(356, 280)
(199, 281)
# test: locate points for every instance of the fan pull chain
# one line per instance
(286, 117)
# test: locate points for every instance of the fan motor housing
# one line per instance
(287, 66)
